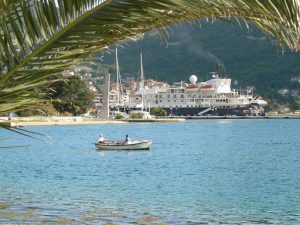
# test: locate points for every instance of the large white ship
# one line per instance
(213, 97)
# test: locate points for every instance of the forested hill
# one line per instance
(246, 56)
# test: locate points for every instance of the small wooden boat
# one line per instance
(119, 145)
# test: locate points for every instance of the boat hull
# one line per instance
(135, 145)
(251, 109)
(237, 111)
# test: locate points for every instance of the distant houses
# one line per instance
(295, 79)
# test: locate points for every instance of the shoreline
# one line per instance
(64, 121)
(54, 121)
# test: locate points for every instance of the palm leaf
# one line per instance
(39, 38)
(24, 132)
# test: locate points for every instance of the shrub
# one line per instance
(119, 116)
(158, 112)
(67, 114)
(137, 115)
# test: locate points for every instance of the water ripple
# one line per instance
(198, 172)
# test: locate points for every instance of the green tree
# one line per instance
(158, 112)
(295, 105)
(72, 95)
(41, 109)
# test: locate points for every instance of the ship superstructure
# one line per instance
(213, 97)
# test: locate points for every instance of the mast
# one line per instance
(119, 81)
(117, 73)
(142, 80)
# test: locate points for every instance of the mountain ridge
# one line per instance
(247, 56)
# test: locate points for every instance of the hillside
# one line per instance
(246, 56)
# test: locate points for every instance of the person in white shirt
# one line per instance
(101, 138)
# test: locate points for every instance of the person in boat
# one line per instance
(127, 139)
(101, 138)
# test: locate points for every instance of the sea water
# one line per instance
(196, 172)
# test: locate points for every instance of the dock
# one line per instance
(156, 120)
(238, 117)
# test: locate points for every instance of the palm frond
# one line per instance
(24, 132)
(39, 38)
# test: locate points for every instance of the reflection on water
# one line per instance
(208, 171)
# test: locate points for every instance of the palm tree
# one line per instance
(41, 38)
